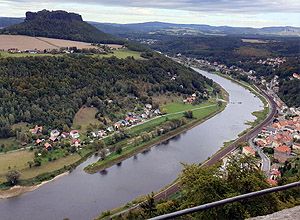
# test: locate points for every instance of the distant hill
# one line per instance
(61, 25)
(179, 29)
(194, 29)
(5, 22)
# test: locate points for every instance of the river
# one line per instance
(81, 196)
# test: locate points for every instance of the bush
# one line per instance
(119, 150)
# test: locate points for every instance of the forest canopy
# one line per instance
(50, 90)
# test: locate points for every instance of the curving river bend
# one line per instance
(81, 196)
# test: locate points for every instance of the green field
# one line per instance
(15, 160)
(4, 54)
(175, 107)
(49, 167)
(175, 111)
(18, 160)
(84, 117)
(122, 54)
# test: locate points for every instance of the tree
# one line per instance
(103, 154)
(13, 177)
(145, 136)
(37, 161)
(148, 207)
(188, 114)
(99, 145)
(202, 185)
(119, 150)
(30, 163)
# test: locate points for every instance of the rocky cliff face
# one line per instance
(51, 15)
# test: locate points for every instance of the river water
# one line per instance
(81, 196)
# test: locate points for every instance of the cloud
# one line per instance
(224, 6)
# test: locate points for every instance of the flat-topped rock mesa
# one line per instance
(57, 15)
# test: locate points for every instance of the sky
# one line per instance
(254, 13)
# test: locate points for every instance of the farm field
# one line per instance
(84, 117)
(176, 111)
(15, 160)
(41, 43)
(18, 161)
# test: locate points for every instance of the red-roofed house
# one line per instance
(282, 153)
(248, 151)
(48, 146)
(37, 129)
(275, 174)
(74, 134)
(272, 182)
(38, 141)
(76, 142)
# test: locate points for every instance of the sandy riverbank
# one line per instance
(19, 190)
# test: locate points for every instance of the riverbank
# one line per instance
(173, 188)
(28, 185)
(19, 190)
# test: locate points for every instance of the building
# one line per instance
(37, 129)
(48, 146)
(74, 134)
(282, 153)
(54, 133)
(248, 151)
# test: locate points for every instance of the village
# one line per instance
(78, 140)
(279, 142)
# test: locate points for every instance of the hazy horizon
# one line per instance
(237, 13)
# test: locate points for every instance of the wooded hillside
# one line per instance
(50, 90)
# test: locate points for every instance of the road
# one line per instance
(266, 163)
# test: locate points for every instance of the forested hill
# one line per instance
(50, 90)
(62, 25)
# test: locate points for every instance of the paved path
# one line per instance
(266, 163)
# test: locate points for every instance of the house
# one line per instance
(296, 146)
(110, 129)
(54, 133)
(76, 142)
(65, 135)
(157, 112)
(94, 135)
(53, 139)
(101, 133)
(272, 182)
(117, 125)
(48, 146)
(275, 174)
(296, 76)
(144, 116)
(189, 100)
(282, 153)
(269, 130)
(248, 151)
(37, 129)
(38, 141)
(148, 106)
(74, 134)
